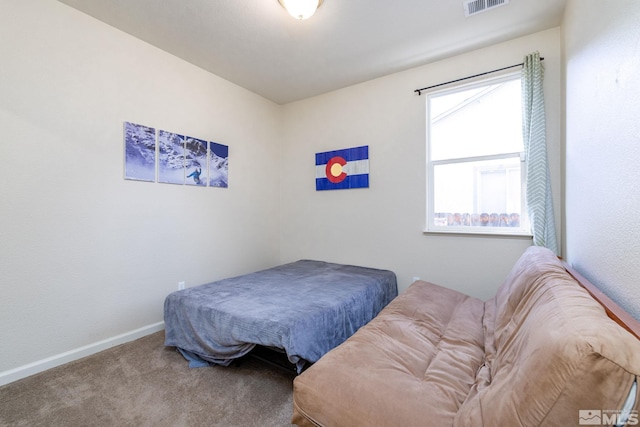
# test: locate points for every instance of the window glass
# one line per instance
(475, 160)
(476, 122)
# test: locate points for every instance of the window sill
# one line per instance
(466, 233)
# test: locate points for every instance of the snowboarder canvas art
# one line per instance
(182, 160)
(195, 161)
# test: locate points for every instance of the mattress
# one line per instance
(304, 308)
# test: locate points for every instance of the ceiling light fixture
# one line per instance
(301, 9)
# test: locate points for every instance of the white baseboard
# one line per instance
(20, 372)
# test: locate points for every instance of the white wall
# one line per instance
(382, 226)
(602, 56)
(84, 254)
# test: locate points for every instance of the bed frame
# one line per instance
(276, 358)
(613, 310)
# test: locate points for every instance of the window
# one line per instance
(475, 159)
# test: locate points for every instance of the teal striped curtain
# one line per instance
(539, 197)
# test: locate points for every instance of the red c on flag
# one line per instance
(334, 171)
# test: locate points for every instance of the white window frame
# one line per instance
(524, 228)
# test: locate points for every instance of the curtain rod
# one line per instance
(419, 91)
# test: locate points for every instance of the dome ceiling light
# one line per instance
(301, 9)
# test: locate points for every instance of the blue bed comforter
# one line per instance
(305, 308)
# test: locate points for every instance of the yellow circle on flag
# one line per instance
(336, 169)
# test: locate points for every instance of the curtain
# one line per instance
(538, 195)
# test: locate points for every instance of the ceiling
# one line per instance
(256, 44)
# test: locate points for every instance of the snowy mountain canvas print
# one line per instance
(170, 158)
(195, 161)
(218, 165)
(182, 160)
(140, 152)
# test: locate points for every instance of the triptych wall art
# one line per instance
(172, 158)
(342, 169)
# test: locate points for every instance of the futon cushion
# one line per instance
(551, 352)
(412, 365)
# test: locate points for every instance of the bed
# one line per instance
(304, 309)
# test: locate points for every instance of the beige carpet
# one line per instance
(144, 383)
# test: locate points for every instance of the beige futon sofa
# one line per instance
(542, 352)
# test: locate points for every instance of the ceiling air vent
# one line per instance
(473, 7)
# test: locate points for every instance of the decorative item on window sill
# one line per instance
(301, 9)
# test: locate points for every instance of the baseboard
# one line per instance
(20, 372)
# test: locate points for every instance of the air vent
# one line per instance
(473, 7)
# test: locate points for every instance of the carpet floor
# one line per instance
(144, 383)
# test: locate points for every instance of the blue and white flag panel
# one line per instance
(341, 169)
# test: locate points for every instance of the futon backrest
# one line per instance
(552, 354)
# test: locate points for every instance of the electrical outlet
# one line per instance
(415, 278)
(180, 286)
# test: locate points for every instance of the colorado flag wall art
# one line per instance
(342, 169)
